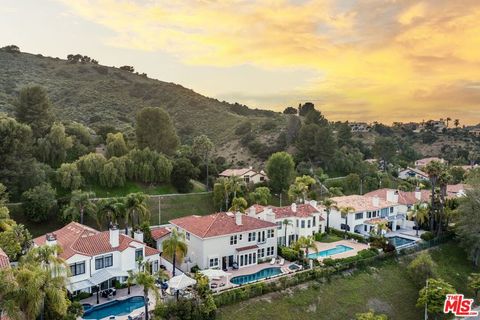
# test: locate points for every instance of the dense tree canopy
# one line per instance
(116, 146)
(33, 108)
(154, 129)
(280, 170)
(52, 149)
(183, 171)
(38, 201)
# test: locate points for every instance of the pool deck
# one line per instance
(356, 246)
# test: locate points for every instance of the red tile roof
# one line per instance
(219, 224)
(404, 197)
(453, 189)
(258, 208)
(302, 211)
(4, 261)
(75, 238)
(361, 203)
(234, 172)
(149, 251)
(159, 232)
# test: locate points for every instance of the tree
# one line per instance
(127, 68)
(148, 166)
(90, 166)
(154, 129)
(306, 243)
(280, 170)
(238, 204)
(344, 212)
(344, 135)
(261, 195)
(11, 48)
(69, 176)
(145, 279)
(458, 174)
(114, 173)
(116, 146)
(468, 225)
(203, 147)
(52, 149)
(385, 149)
(136, 210)
(219, 195)
(419, 212)
(293, 127)
(325, 146)
(299, 189)
(434, 169)
(79, 206)
(290, 110)
(5, 222)
(38, 201)
(370, 315)
(110, 210)
(305, 108)
(33, 108)
(9, 245)
(286, 223)
(182, 172)
(175, 248)
(433, 295)
(456, 123)
(421, 268)
(474, 283)
(329, 204)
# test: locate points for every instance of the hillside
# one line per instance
(96, 95)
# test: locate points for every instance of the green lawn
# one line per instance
(385, 288)
(131, 187)
(327, 238)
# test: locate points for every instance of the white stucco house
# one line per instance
(304, 220)
(247, 174)
(412, 173)
(160, 234)
(367, 213)
(226, 240)
(97, 259)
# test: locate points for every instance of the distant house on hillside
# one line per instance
(4, 261)
(474, 132)
(412, 173)
(420, 163)
(359, 126)
(101, 149)
(247, 174)
(457, 190)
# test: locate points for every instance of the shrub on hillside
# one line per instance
(427, 236)
(288, 253)
(421, 268)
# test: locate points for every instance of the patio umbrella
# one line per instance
(181, 282)
(214, 273)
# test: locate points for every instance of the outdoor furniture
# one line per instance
(282, 262)
(235, 266)
(214, 285)
(273, 261)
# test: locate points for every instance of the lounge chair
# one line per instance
(273, 261)
(282, 262)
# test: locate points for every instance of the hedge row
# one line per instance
(350, 235)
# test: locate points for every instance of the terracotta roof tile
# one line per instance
(361, 203)
(404, 197)
(149, 251)
(4, 261)
(302, 211)
(159, 232)
(218, 224)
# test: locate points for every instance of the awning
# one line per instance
(181, 282)
(375, 221)
(214, 273)
(106, 274)
(84, 284)
(247, 248)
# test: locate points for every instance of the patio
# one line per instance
(356, 246)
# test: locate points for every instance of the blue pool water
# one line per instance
(330, 252)
(262, 274)
(114, 308)
(294, 267)
(399, 241)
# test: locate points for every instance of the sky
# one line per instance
(364, 60)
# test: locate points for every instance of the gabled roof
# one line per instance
(361, 203)
(4, 261)
(425, 161)
(159, 232)
(149, 251)
(75, 238)
(219, 224)
(301, 211)
(404, 197)
(235, 172)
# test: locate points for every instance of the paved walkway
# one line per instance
(357, 246)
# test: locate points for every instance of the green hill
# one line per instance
(96, 95)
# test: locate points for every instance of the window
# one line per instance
(213, 262)
(270, 251)
(108, 261)
(303, 224)
(297, 223)
(103, 262)
(261, 236)
(279, 224)
(77, 268)
(233, 240)
(271, 233)
(314, 221)
(309, 223)
(369, 214)
(247, 179)
(187, 235)
(365, 228)
(261, 253)
(374, 214)
(391, 209)
(240, 237)
(262, 178)
(99, 263)
(155, 266)
(359, 216)
(138, 254)
(251, 236)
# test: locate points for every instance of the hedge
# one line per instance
(288, 253)
(350, 235)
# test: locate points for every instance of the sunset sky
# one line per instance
(385, 60)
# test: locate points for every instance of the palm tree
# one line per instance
(443, 180)
(434, 169)
(110, 210)
(236, 183)
(344, 211)
(456, 123)
(130, 280)
(238, 205)
(329, 204)
(307, 243)
(80, 204)
(144, 278)
(175, 247)
(135, 209)
(419, 212)
(448, 119)
(286, 223)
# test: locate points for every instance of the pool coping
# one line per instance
(356, 246)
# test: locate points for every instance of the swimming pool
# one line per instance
(330, 252)
(114, 308)
(399, 241)
(294, 267)
(262, 274)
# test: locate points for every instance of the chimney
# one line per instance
(418, 194)
(270, 216)
(51, 239)
(313, 203)
(391, 195)
(294, 207)
(114, 236)
(138, 235)
(251, 211)
(238, 218)
(376, 201)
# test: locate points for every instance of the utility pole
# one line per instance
(426, 293)
(159, 210)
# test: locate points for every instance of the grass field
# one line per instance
(386, 289)
(328, 238)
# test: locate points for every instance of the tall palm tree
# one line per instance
(80, 204)
(344, 211)
(434, 169)
(307, 243)
(443, 180)
(145, 279)
(329, 204)
(238, 205)
(236, 184)
(175, 247)
(286, 223)
(419, 212)
(448, 119)
(135, 209)
(110, 210)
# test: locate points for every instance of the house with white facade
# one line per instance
(97, 259)
(404, 199)
(359, 126)
(368, 212)
(303, 220)
(247, 174)
(413, 173)
(160, 234)
(227, 240)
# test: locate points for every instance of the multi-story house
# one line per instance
(98, 259)
(367, 214)
(226, 240)
(293, 222)
(404, 199)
